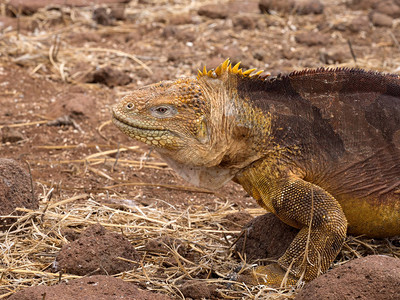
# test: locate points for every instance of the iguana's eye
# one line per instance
(163, 111)
(129, 105)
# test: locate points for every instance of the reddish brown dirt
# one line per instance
(97, 287)
(97, 251)
(372, 277)
(67, 96)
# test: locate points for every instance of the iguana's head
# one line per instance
(191, 122)
(171, 116)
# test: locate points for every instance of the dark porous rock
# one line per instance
(185, 35)
(235, 221)
(76, 105)
(108, 76)
(388, 7)
(308, 7)
(180, 19)
(196, 289)
(268, 6)
(169, 31)
(243, 22)
(260, 54)
(174, 55)
(97, 251)
(301, 7)
(243, 6)
(373, 277)
(312, 38)
(359, 24)
(381, 20)
(105, 17)
(29, 7)
(265, 237)
(102, 17)
(97, 287)
(361, 4)
(70, 234)
(334, 56)
(15, 188)
(213, 11)
(118, 13)
(11, 135)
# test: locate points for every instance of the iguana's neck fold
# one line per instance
(239, 132)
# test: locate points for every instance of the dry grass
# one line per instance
(30, 246)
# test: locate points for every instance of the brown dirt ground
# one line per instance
(88, 288)
(62, 67)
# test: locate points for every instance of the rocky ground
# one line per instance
(104, 207)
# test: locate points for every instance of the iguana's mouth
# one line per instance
(120, 123)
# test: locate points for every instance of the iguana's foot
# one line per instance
(272, 275)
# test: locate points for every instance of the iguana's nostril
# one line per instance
(130, 105)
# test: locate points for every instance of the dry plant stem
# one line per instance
(168, 186)
(99, 129)
(31, 181)
(353, 55)
(135, 163)
(110, 152)
(396, 42)
(24, 124)
(119, 53)
(111, 187)
(51, 147)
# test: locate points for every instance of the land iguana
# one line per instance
(318, 148)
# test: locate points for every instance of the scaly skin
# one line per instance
(320, 149)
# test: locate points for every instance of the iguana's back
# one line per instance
(346, 124)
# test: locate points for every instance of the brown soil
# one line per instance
(372, 277)
(97, 287)
(62, 67)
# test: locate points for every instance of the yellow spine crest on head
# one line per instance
(235, 69)
(226, 66)
(248, 72)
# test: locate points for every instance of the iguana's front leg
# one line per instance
(308, 207)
